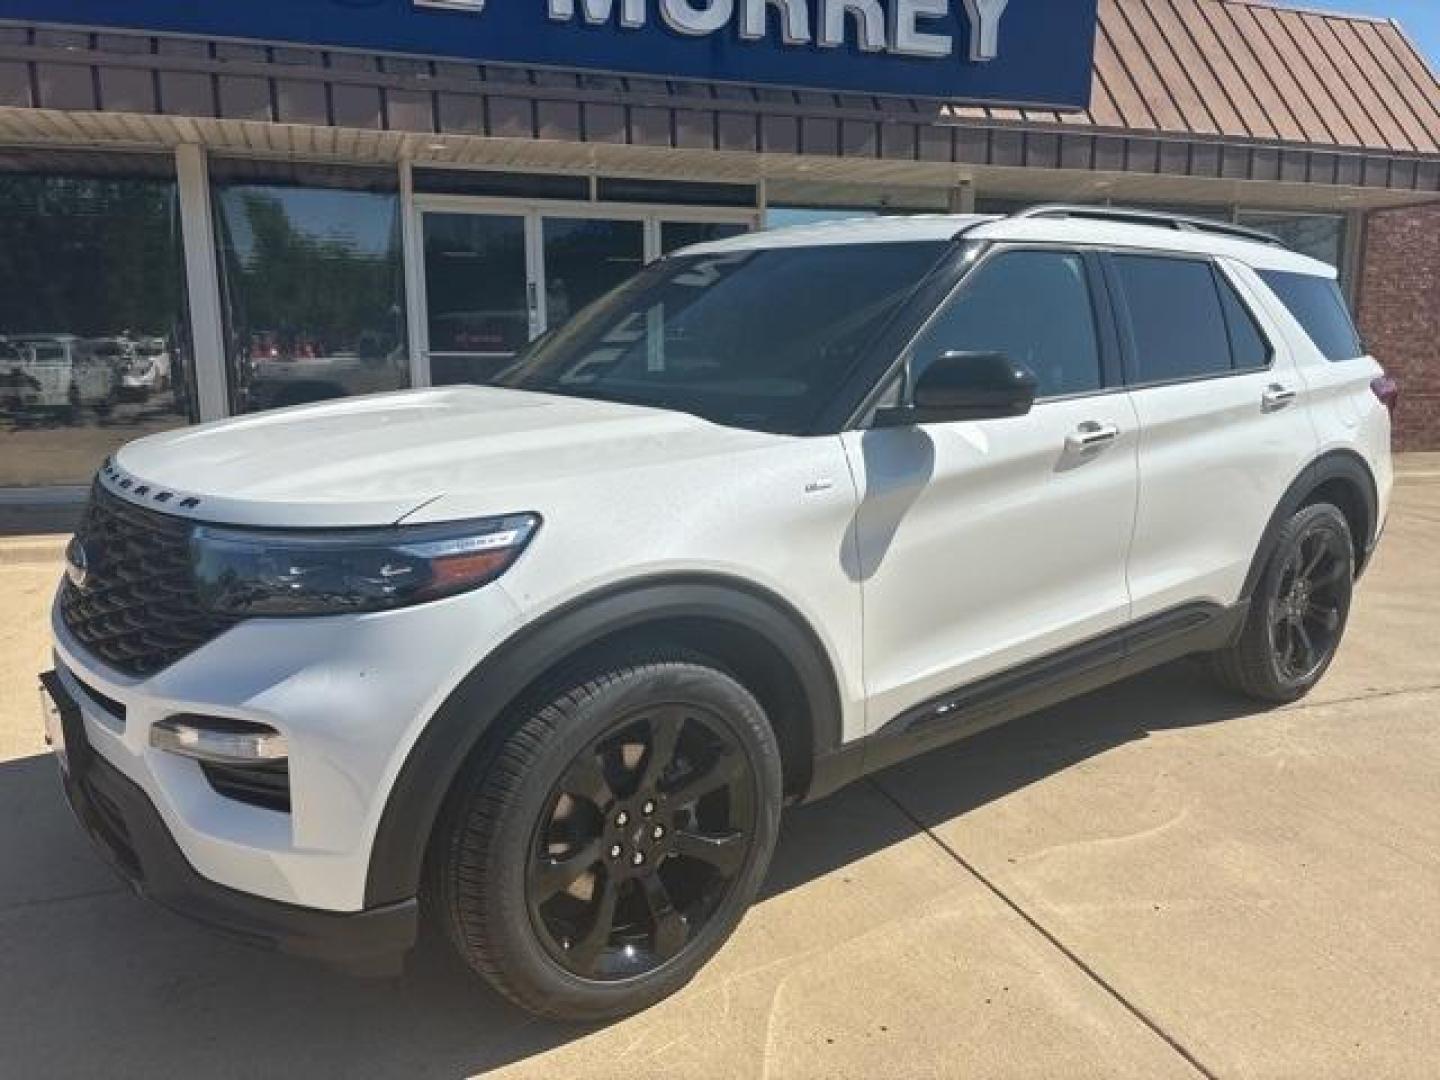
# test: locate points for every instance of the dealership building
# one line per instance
(209, 210)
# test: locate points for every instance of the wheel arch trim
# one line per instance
(1343, 465)
(460, 725)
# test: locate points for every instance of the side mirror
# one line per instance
(965, 386)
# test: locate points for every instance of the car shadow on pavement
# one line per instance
(96, 982)
(955, 780)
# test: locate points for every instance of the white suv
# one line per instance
(547, 658)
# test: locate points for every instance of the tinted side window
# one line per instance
(1248, 346)
(1033, 306)
(1177, 326)
(1318, 306)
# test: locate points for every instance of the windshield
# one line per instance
(754, 339)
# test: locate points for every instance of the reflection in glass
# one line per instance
(675, 235)
(995, 312)
(475, 294)
(1321, 236)
(94, 348)
(670, 338)
(313, 283)
(584, 259)
(784, 217)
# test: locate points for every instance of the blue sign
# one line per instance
(1012, 52)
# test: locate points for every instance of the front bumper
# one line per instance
(350, 694)
(129, 833)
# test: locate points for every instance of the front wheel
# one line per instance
(1298, 612)
(614, 841)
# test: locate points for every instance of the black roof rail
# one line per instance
(1155, 218)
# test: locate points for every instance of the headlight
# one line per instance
(324, 572)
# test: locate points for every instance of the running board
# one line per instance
(1031, 686)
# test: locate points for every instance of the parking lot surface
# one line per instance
(1155, 880)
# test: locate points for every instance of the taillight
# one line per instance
(1387, 389)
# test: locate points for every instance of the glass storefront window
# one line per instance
(94, 348)
(312, 274)
(1321, 236)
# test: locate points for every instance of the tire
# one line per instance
(1298, 612)
(577, 783)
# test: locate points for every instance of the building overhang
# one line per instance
(65, 88)
(826, 179)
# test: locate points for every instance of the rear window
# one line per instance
(1320, 309)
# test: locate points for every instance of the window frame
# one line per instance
(1224, 279)
(1125, 327)
(1101, 309)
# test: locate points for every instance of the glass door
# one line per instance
(478, 299)
(496, 277)
(584, 258)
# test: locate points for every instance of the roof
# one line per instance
(1252, 69)
(920, 228)
(912, 228)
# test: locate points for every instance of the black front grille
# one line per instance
(137, 609)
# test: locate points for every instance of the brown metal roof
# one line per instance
(1252, 69)
(1228, 90)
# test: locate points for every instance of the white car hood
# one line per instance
(374, 460)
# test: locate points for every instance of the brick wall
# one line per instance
(1399, 311)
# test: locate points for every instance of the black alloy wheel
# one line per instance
(641, 841)
(1307, 608)
(1298, 610)
(606, 845)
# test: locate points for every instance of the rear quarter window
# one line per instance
(1319, 308)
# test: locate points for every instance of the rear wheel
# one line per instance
(614, 841)
(1298, 612)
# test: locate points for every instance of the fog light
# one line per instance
(220, 740)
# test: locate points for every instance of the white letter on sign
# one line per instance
(985, 27)
(906, 37)
(795, 20)
(869, 20)
(696, 19)
(632, 12)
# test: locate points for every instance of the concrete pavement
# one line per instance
(1156, 880)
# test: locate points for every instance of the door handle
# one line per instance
(1277, 397)
(1091, 435)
